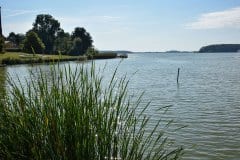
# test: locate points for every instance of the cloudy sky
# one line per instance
(137, 25)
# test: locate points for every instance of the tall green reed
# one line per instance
(72, 115)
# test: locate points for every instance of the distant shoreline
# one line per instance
(213, 48)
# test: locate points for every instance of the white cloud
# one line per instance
(214, 20)
(14, 13)
(20, 12)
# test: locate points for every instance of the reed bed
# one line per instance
(103, 56)
(72, 115)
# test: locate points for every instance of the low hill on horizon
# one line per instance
(215, 48)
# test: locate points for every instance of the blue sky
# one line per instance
(137, 25)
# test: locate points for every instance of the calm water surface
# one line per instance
(207, 98)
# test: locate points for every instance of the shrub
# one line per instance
(91, 52)
(69, 114)
(104, 56)
(33, 44)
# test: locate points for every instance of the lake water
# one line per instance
(207, 98)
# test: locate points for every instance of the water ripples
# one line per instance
(207, 99)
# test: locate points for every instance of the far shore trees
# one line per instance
(57, 41)
(63, 42)
(33, 44)
(47, 37)
(46, 27)
(17, 39)
(217, 48)
(77, 48)
(85, 37)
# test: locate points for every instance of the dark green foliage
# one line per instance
(55, 39)
(77, 48)
(103, 56)
(34, 60)
(12, 61)
(91, 52)
(69, 114)
(13, 50)
(220, 48)
(1, 44)
(33, 44)
(16, 38)
(85, 38)
(63, 42)
(46, 27)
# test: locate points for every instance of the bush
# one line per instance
(103, 56)
(33, 44)
(70, 115)
(91, 52)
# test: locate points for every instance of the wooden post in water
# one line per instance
(178, 74)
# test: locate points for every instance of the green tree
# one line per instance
(77, 48)
(12, 37)
(33, 44)
(47, 28)
(85, 37)
(16, 38)
(63, 42)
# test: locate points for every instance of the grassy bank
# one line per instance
(70, 114)
(11, 58)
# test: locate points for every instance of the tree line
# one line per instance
(220, 48)
(46, 36)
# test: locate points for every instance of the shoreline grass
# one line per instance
(72, 115)
(13, 58)
(104, 56)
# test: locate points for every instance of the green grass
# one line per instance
(26, 55)
(10, 58)
(72, 115)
